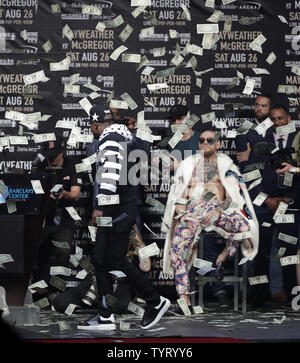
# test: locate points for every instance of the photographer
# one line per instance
(58, 225)
(277, 189)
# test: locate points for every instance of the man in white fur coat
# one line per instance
(208, 194)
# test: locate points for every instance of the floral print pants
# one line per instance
(182, 242)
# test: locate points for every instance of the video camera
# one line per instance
(278, 157)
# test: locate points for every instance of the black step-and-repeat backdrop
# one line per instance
(211, 55)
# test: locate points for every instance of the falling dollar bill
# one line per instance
(125, 33)
(57, 282)
(249, 87)
(281, 209)
(255, 174)
(11, 206)
(175, 139)
(64, 325)
(136, 12)
(290, 260)
(256, 280)
(37, 285)
(124, 326)
(59, 244)
(73, 213)
(264, 126)
(156, 86)
(287, 238)
(207, 28)
(159, 52)
(216, 16)
(104, 221)
(198, 263)
(135, 309)
(117, 52)
(271, 58)
(86, 105)
(49, 136)
(114, 23)
(131, 58)
(213, 94)
(287, 218)
(37, 186)
(60, 270)
(288, 179)
(67, 32)
(208, 117)
(148, 251)
(183, 306)
(260, 71)
(284, 130)
(129, 100)
(108, 199)
(71, 88)
(63, 65)
(5, 257)
(118, 104)
(91, 10)
(18, 140)
(257, 43)
(245, 126)
(34, 78)
(186, 12)
(261, 197)
(182, 128)
(42, 303)
(70, 309)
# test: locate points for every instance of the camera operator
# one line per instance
(58, 225)
(277, 190)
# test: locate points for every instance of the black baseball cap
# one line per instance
(100, 114)
(177, 111)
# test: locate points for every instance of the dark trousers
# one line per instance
(49, 255)
(261, 262)
(110, 254)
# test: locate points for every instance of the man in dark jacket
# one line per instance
(116, 202)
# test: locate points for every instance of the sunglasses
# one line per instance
(208, 139)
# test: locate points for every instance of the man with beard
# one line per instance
(245, 143)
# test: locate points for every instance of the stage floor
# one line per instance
(262, 325)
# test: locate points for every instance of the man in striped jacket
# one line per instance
(115, 216)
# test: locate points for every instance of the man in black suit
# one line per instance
(245, 143)
(274, 186)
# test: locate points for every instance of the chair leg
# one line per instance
(244, 289)
(236, 284)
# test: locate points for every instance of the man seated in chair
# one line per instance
(216, 200)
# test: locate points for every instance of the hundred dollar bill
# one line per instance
(135, 309)
(64, 325)
(108, 199)
(117, 52)
(65, 124)
(173, 33)
(129, 100)
(207, 28)
(208, 117)
(245, 126)
(183, 305)
(73, 213)
(125, 33)
(213, 94)
(67, 32)
(18, 140)
(286, 238)
(216, 16)
(271, 58)
(186, 12)
(91, 10)
(156, 86)
(47, 46)
(74, 78)
(104, 221)
(81, 167)
(255, 174)
(57, 282)
(50, 136)
(250, 83)
(114, 23)
(131, 58)
(63, 65)
(148, 251)
(118, 104)
(191, 120)
(146, 32)
(124, 326)
(210, 3)
(136, 12)
(42, 303)
(287, 129)
(140, 3)
(197, 309)
(194, 49)
(257, 43)
(198, 263)
(290, 260)
(70, 309)
(59, 244)
(100, 26)
(246, 21)
(228, 25)
(287, 218)
(92, 231)
(34, 78)
(256, 280)
(261, 197)
(207, 41)
(81, 274)
(86, 105)
(196, 99)
(175, 139)
(264, 126)
(148, 70)
(281, 209)
(55, 8)
(288, 179)
(144, 135)
(177, 60)
(260, 71)
(165, 72)
(37, 187)
(37, 285)
(15, 115)
(181, 128)
(60, 270)
(34, 116)
(159, 52)
(155, 203)
(90, 159)
(11, 206)
(71, 88)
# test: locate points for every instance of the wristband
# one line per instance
(294, 170)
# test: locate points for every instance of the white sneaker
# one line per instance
(99, 323)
